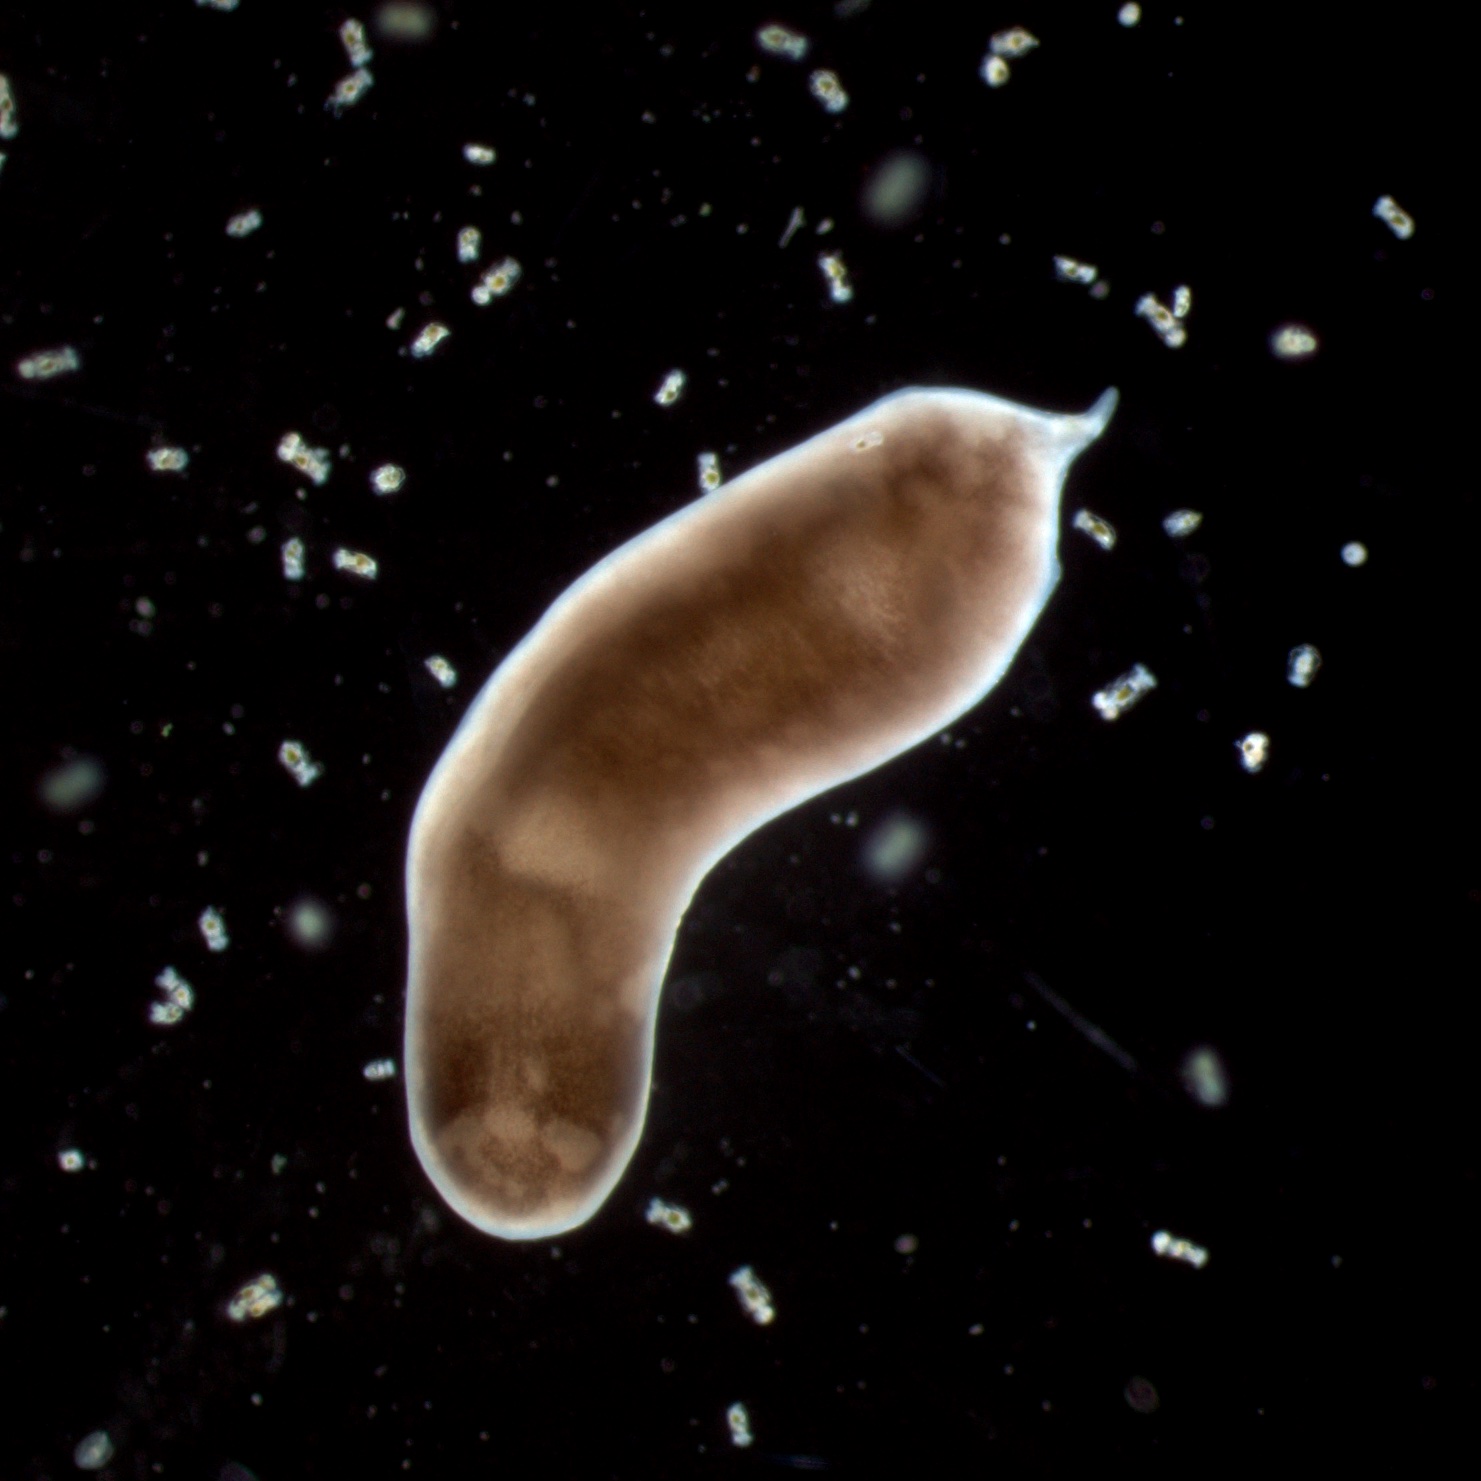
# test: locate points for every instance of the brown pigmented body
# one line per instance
(795, 628)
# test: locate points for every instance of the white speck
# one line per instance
(671, 389)
(840, 290)
(1116, 698)
(478, 154)
(357, 48)
(1302, 662)
(177, 998)
(313, 462)
(1254, 750)
(442, 671)
(827, 89)
(93, 1452)
(45, 364)
(310, 923)
(1014, 42)
(709, 471)
(356, 562)
(1205, 1078)
(1129, 14)
(670, 1216)
(380, 1069)
(496, 282)
(299, 764)
(388, 478)
(244, 223)
(71, 1159)
(1170, 1247)
(1354, 553)
(1069, 270)
(255, 1299)
(994, 70)
(470, 244)
(781, 42)
(213, 929)
(167, 459)
(1100, 530)
(1182, 522)
(739, 1421)
(895, 848)
(754, 1298)
(349, 90)
(292, 553)
(1394, 216)
(431, 336)
(1166, 321)
(394, 319)
(1293, 342)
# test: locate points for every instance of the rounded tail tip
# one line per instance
(1094, 420)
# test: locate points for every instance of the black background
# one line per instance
(1314, 923)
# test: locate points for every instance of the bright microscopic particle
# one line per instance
(709, 471)
(1354, 553)
(1182, 522)
(73, 785)
(1170, 1247)
(895, 848)
(312, 462)
(1205, 1078)
(356, 563)
(840, 290)
(1129, 14)
(767, 642)
(176, 999)
(1166, 321)
(388, 478)
(470, 244)
(349, 90)
(255, 1299)
(1100, 530)
(1014, 42)
(1293, 342)
(442, 671)
(406, 20)
(292, 553)
(670, 1216)
(781, 42)
(827, 89)
(380, 1069)
(352, 37)
(994, 70)
(1254, 750)
(310, 923)
(1069, 270)
(167, 459)
(479, 154)
(244, 223)
(45, 365)
(1302, 662)
(93, 1451)
(1394, 216)
(10, 120)
(896, 189)
(296, 760)
(71, 1159)
(738, 1421)
(671, 388)
(753, 1296)
(1116, 698)
(496, 281)
(431, 336)
(213, 929)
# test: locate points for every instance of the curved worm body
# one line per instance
(800, 625)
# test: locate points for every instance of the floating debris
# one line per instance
(310, 923)
(994, 70)
(167, 459)
(356, 562)
(1129, 14)
(442, 671)
(244, 223)
(670, 1216)
(1114, 700)
(1182, 522)
(1100, 530)
(255, 1299)
(738, 1419)
(496, 281)
(1254, 750)
(1015, 42)
(388, 478)
(380, 1069)
(827, 89)
(292, 553)
(357, 48)
(479, 154)
(217, 4)
(1394, 216)
(709, 471)
(299, 764)
(895, 848)
(44, 365)
(213, 929)
(470, 244)
(671, 389)
(1205, 1078)
(781, 42)
(1170, 1247)
(10, 119)
(93, 1451)
(177, 998)
(73, 785)
(312, 462)
(1354, 553)
(71, 1159)
(1302, 662)
(1168, 322)
(349, 90)
(1293, 342)
(431, 336)
(1069, 270)
(754, 1298)
(896, 189)
(840, 290)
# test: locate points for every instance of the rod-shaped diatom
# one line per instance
(796, 627)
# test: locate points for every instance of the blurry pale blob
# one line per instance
(310, 923)
(795, 627)
(894, 849)
(896, 189)
(73, 785)
(1204, 1076)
